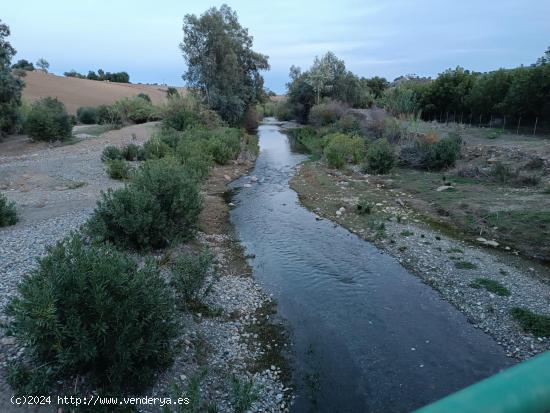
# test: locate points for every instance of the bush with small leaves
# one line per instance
(8, 212)
(118, 169)
(176, 192)
(111, 153)
(144, 96)
(431, 156)
(341, 149)
(195, 158)
(131, 152)
(380, 157)
(364, 206)
(224, 144)
(326, 113)
(48, 120)
(90, 312)
(188, 277)
(87, 115)
(155, 148)
(129, 218)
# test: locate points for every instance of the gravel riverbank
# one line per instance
(56, 189)
(450, 265)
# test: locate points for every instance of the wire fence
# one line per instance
(516, 125)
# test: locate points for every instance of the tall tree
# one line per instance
(10, 86)
(221, 65)
(43, 64)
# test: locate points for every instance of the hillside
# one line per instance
(74, 92)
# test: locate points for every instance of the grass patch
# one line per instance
(537, 324)
(406, 233)
(94, 130)
(465, 265)
(491, 285)
(455, 251)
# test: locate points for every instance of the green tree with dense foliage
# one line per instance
(328, 79)
(10, 85)
(48, 120)
(221, 65)
(23, 64)
(377, 85)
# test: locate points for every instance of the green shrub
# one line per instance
(131, 152)
(342, 148)
(108, 115)
(502, 173)
(144, 96)
(431, 156)
(170, 137)
(48, 120)
(283, 111)
(175, 190)
(443, 154)
(364, 206)
(154, 148)
(111, 153)
(393, 130)
(118, 169)
(87, 115)
(224, 144)
(380, 157)
(134, 110)
(305, 139)
(491, 285)
(539, 325)
(181, 113)
(172, 92)
(195, 158)
(188, 277)
(130, 218)
(326, 113)
(8, 212)
(243, 394)
(91, 312)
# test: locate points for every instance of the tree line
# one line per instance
(119, 77)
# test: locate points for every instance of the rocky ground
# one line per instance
(448, 263)
(56, 188)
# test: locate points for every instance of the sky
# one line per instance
(374, 37)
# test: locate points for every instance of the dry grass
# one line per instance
(74, 92)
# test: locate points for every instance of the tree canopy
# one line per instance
(221, 65)
(10, 85)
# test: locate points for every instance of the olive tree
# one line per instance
(221, 65)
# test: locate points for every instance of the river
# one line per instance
(367, 336)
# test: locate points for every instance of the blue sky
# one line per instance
(383, 37)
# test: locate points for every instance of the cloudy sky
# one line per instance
(375, 37)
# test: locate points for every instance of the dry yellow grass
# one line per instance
(75, 92)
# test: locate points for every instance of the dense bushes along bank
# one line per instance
(94, 318)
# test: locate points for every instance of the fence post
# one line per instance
(461, 114)
(535, 130)
(471, 116)
(504, 124)
(447, 119)
(517, 130)
(454, 116)
(480, 120)
(491, 122)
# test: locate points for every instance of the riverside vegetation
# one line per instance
(102, 312)
(380, 170)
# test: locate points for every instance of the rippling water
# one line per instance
(367, 335)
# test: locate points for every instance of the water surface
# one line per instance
(367, 335)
